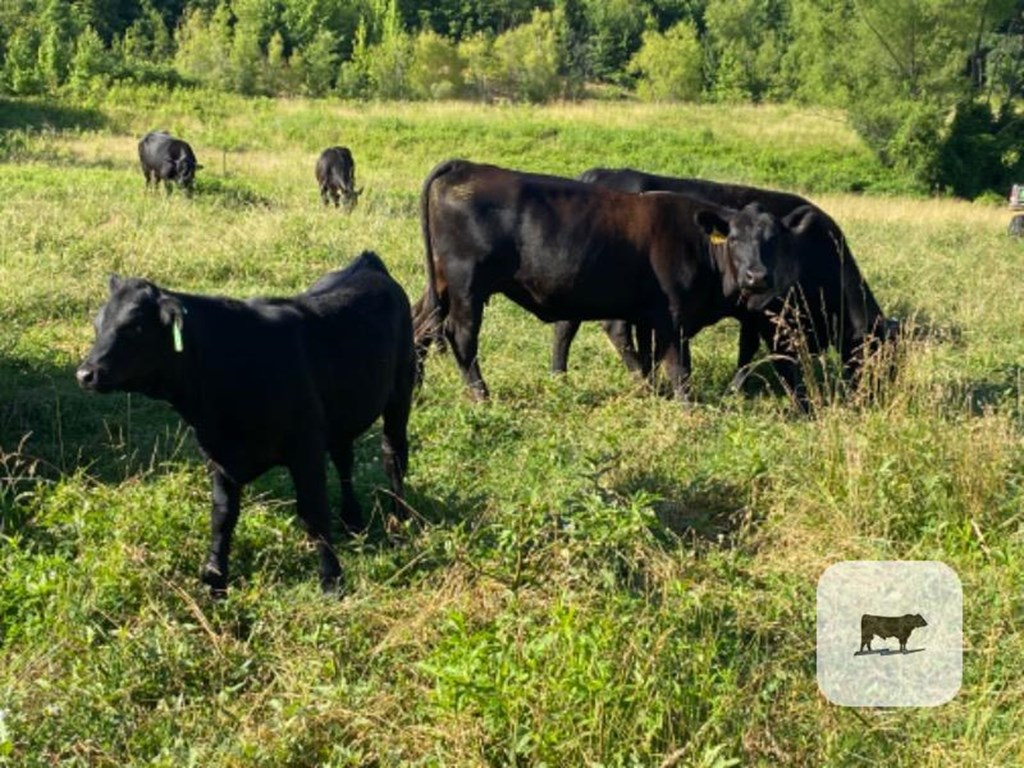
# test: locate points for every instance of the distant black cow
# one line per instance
(270, 382)
(565, 250)
(167, 159)
(899, 627)
(336, 175)
(831, 304)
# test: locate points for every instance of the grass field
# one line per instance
(594, 575)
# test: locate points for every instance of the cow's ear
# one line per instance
(114, 282)
(199, 166)
(171, 310)
(800, 219)
(716, 227)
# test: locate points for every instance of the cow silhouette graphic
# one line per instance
(899, 627)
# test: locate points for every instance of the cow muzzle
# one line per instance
(754, 281)
(88, 377)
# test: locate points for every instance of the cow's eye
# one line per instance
(137, 329)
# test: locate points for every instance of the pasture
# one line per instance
(593, 575)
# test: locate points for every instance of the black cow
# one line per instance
(899, 627)
(831, 304)
(270, 382)
(167, 159)
(565, 250)
(336, 175)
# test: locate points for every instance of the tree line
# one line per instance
(931, 85)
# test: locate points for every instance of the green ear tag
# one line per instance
(176, 331)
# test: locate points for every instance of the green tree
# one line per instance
(204, 47)
(670, 65)
(91, 64)
(746, 39)
(436, 71)
(276, 78)
(529, 58)
(615, 33)
(21, 72)
(388, 62)
(481, 67)
(56, 47)
(320, 59)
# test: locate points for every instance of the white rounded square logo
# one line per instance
(890, 633)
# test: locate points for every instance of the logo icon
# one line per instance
(866, 605)
(884, 627)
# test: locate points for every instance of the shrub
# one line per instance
(528, 59)
(670, 65)
(91, 62)
(981, 152)
(436, 71)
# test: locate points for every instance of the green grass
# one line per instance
(593, 576)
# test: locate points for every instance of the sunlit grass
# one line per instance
(594, 575)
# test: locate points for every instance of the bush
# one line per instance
(91, 62)
(480, 73)
(904, 134)
(436, 71)
(982, 151)
(670, 65)
(528, 59)
(387, 65)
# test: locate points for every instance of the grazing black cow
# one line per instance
(167, 159)
(565, 250)
(270, 382)
(831, 304)
(336, 175)
(899, 627)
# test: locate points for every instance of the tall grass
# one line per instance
(593, 575)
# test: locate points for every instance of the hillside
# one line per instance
(594, 575)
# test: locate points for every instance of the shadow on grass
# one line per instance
(889, 652)
(704, 512)
(40, 114)
(1004, 388)
(64, 429)
(228, 192)
(918, 326)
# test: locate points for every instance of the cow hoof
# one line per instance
(215, 579)
(333, 585)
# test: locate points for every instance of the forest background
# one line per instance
(932, 86)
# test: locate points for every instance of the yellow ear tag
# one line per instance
(179, 346)
(717, 238)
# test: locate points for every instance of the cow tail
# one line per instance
(430, 311)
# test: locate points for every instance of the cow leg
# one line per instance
(463, 330)
(645, 351)
(787, 367)
(223, 517)
(565, 332)
(395, 445)
(343, 457)
(674, 351)
(314, 510)
(621, 335)
(750, 340)
(323, 195)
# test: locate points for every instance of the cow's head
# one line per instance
(185, 168)
(137, 330)
(350, 196)
(917, 620)
(755, 250)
